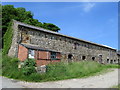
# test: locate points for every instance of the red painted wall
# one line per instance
(22, 53)
(41, 57)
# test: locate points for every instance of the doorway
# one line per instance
(100, 59)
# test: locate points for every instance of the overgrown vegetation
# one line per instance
(7, 39)
(58, 71)
(29, 67)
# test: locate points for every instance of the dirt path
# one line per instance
(106, 80)
(9, 83)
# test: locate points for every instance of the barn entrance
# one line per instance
(100, 59)
(70, 57)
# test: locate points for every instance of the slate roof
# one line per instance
(36, 47)
(56, 33)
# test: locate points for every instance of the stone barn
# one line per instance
(46, 46)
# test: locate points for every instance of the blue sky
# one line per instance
(92, 21)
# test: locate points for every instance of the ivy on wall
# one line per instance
(8, 38)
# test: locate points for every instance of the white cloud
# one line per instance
(87, 7)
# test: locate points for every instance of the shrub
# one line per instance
(29, 67)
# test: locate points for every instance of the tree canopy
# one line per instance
(9, 12)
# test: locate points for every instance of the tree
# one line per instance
(51, 26)
(20, 14)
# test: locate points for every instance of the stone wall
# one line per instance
(79, 49)
(14, 46)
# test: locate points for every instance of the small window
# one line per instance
(70, 56)
(60, 38)
(45, 36)
(53, 55)
(31, 53)
(39, 34)
(93, 58)
(111, 61)
(114, 61)
(76, 45)
(83, 57)
(107, 60)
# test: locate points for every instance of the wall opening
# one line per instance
(76, 45)
(107, 60)
(83, 57)
(93, 58)
(70, 56)
(100, 59)
(114, 61)
(111, 61)
(53, 55)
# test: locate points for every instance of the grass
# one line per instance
(58, 71)
(118, 86)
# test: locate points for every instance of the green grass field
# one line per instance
(58, 71)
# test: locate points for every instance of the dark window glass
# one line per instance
(70, 56)
(114, 61)
(107, 60)
(111, 61)
(76, 45)
(53, 55)
(83, 57)
(93, 58)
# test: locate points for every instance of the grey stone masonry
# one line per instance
(72, 49)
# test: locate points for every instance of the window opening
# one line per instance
(70, 56)
(31, 53)
(83, 57)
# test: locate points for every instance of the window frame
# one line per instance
(53, 55)
(29, 53)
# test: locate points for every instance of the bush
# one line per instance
(29, 67)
